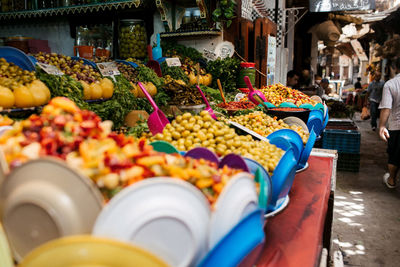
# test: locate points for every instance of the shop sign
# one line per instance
(173, 62)
(340, 5)
(271, 59)
(209, 55)
(108, 68)
(50, 69)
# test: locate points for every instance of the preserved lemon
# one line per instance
(96, 91)
(23, 97)
(7, 98)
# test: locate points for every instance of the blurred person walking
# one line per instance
(374, 95)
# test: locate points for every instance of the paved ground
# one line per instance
(366, 223)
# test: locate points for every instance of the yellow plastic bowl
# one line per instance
(89, 251)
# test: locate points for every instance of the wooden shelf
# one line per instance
(182, 34)
(70, 10)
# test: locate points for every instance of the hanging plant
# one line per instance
(225, 12)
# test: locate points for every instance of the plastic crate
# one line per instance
(345, 141)
(348, 162)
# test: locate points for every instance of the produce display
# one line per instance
(264, 125)
(180, 93)
(111, 160)
(237, 105)
(5, 120)
(20, 88)
(94, 86)
(227, 70)
(188, 131)
(278, 94)
(132, 40)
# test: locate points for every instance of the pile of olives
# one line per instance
(127, 71)
(132, 42)
(264, 125)
(12, 76)
(188, 131)
(74, 68)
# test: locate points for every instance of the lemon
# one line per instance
(23, 97)
(96, 91)
(7, 98)
(108, 87)
(38, 94)
(87, 92)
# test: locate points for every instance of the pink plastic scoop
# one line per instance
(208, 108)
(157, 120)
(254, 95)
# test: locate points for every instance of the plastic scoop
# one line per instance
(234, 161)
(208, 108)
(202, 153)
(157, 119)
(152, 64)
(220, 91)
(255, 96)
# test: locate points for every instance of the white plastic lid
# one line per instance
(196, 13)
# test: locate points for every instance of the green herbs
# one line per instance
(137, 131)
(226, 70)
(213, 93)
(225, 12)
(63, 86)
(173, 49)
(146, 74)
(175, 72)
(118, 106)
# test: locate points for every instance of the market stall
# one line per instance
(166, 148)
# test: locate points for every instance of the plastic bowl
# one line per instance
(289, 111)
(232, 249)
(282, 179)
(281, 137)
(202, 153)
(305, 154)
(254, 166)
(316, 121)
(17, 57)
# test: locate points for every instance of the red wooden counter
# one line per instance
(294, 236)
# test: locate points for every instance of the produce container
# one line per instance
(246, 69)
(132, 38)
(344, 141)
(282, 113)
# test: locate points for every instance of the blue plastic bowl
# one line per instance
(277, 138)
(316, 121)
(132, 64)
(17, 57)
(288, 105)
(307, 150)
(253, 167)
(85, 61)
(247, 235)
(282, 179)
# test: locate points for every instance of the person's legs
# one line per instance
(393, 150)
(393, 170)
(374, 114)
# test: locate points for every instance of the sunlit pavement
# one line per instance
(366, 226)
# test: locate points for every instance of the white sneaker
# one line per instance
(385, 181)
